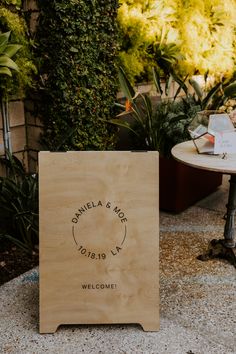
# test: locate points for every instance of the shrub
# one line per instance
(12, 19)
(203, 31)
(77, 46)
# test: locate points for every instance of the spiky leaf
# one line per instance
(210, 95)
(122, 124)
(167, 86)
(126, 86)
(196, 87)
(181, 82)
(157, 80)
(181, 86)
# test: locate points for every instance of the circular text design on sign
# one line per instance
(99, 229)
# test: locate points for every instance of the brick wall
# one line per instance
(18, 131)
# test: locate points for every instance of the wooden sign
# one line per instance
(99, 220)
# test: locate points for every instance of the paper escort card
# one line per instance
(99, 217)
(225, 143)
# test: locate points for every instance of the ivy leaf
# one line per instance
(73, 50)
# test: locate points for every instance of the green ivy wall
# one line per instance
(77, 48)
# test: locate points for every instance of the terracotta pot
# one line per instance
(181, 186)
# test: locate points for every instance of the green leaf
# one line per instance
(73, 50)
(6, 71)
(157, 80)
(168, 83)
(119, 105)
(230, 91)
(181, 86)
(4, 38)
(197, 88)
(2, 48)
(122, 124)
(181, 83)
(126, 86)
(17, 242)
(206, 76)
(148, 106)
(162, 37)
(210, 95)
(177, 118)
(9, 63)
(11, 49)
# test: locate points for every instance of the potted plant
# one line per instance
(162, 125)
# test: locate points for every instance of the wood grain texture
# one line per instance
(99, 218)
(187, 153)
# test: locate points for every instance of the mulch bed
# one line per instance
(14, 261)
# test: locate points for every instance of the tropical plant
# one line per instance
(160, 126)
(165, 54)
(172, 120)
(174, 116)
(228, 91)
(203, 30)
(19, 205)
(142, 111)
(7, 51)
(217, 95)
(12, 19)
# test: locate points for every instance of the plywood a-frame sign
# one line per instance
(99, 217)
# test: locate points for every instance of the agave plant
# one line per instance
(19, 205)
(7, 51)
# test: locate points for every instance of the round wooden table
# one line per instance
(186, 153)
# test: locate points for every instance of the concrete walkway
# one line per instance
(198, 299)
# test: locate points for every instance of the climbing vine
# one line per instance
(77, 48)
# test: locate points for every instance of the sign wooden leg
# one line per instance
(48, 328)
(151, 327)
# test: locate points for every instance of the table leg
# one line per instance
(229, 232)
(225, 248)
